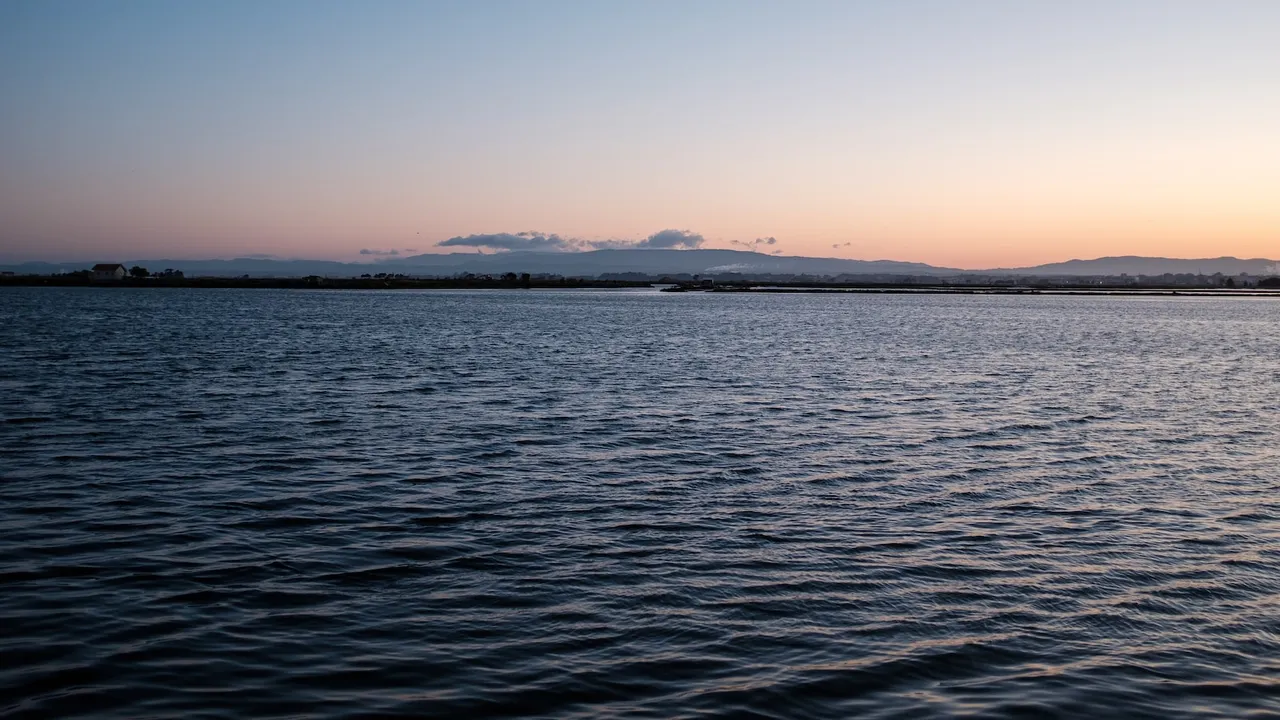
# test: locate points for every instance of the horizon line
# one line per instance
(390, 260)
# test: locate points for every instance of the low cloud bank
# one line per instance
(672, 239)
(550, 242)
(513, 241)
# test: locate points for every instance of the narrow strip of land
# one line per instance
(1057, 287)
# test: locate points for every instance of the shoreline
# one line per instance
(318, 283)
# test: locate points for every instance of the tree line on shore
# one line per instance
(138, 275)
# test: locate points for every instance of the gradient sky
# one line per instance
(965, 134)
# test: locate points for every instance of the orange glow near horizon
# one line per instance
(931, 132)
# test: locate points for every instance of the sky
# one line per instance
(991, 133)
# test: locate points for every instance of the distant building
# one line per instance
(108, 272)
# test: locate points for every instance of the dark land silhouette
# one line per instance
(140, 277)
(643, 264)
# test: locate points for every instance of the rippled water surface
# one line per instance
(583, 504)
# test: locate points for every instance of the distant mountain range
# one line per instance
(1135, 265)
(653, 262)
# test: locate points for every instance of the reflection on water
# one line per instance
(575, 504)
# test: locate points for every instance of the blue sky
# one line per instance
(967, 134)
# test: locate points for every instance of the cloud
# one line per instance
(545, 242)
(515, 241)
(611, 244)
(754, 245)
(671, 239)
(367, 251)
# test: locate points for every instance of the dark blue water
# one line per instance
(585, 504)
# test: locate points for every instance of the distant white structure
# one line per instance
(106, 272)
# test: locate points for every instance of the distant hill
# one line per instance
(1134, 265)
(659, 262)
(584, 264)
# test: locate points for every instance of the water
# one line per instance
(584, 504)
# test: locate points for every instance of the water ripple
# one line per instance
(584, 504)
